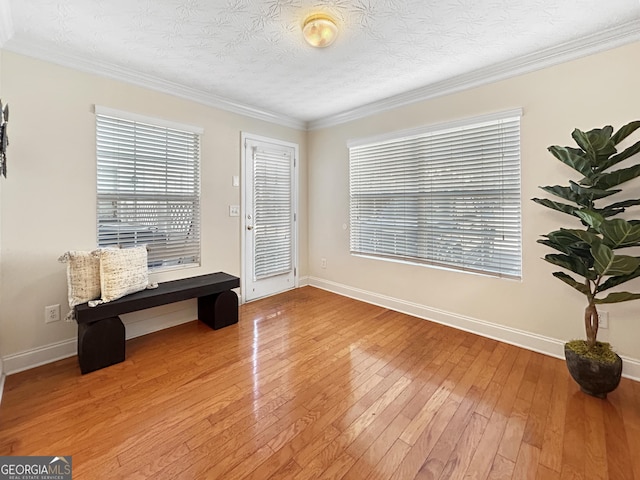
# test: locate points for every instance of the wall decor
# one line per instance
(4, 138)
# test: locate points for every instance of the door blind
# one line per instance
(448, 198)
(273, 215)
(149, 189)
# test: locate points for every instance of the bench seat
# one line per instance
(101, 333)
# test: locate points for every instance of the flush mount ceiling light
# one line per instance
(319, 30)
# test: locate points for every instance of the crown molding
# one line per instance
(601, 41)
(607, 39)
(6, 22)
(116, 72)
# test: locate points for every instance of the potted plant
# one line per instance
(589, 252)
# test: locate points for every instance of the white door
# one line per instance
(269, 216)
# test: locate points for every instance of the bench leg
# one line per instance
(218, 310)
(100, 344)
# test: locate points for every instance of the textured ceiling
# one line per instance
(251, 52)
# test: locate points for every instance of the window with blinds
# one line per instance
(148, 179)
(447, 196)
(272, 204)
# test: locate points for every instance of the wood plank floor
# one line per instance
(314, 385)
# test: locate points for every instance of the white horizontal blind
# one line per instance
(272, 203)
(149, 189)
(449, 198)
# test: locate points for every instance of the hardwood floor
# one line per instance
(314, 385)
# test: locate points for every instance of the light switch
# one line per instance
(234, 210)
(235, 181)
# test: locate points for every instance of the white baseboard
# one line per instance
(18, 362)
(521, 338)
(137, 324)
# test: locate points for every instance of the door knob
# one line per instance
(249, 227)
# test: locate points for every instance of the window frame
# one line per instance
(167, 196)
(401, 216)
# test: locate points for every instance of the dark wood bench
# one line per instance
(101, 333)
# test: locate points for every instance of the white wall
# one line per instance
(48, 203)
(587, 93)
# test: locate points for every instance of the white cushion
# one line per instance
(122, 271)
(83, 276)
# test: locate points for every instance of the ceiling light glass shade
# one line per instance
(319, 31)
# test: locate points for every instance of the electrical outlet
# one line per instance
(323, 263)
(603, 319)
(51, 313)
(234, 210)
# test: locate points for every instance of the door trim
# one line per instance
(244, 136)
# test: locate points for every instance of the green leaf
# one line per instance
(626, 153)
(578, 194)
(581, 287)
(572, 157)
(574, 264)
(556, 246)
(625, 131)
(624, 204)
(604, 181)
(618, 280)
(569, 245)
(560, 238)
(608, 212)
(570, 238)
(597, 142)
(606, 263)
(565, 236)
(561, 207)
(591, 218)
(588, 238)
(592, 193)
(583, 142)
(618, 297)
(619, 233)
(562, 192)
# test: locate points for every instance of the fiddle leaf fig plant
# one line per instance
(592, 252)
